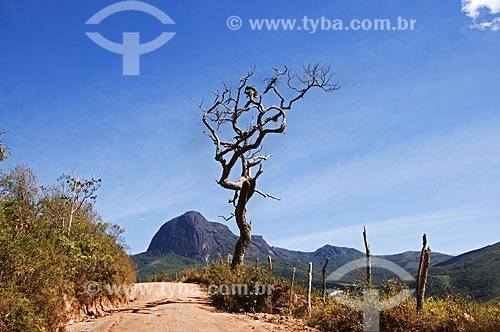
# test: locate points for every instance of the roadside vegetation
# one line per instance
(451, 314)
(52, 243)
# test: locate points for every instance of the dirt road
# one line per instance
(171, 307)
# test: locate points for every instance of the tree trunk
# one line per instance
(242, 244)
(246, 192)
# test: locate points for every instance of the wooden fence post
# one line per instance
(309, 287)
(323, 272)
(423, 273)
(368, 260)
(290, 303)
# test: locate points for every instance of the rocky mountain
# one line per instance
(191, 235)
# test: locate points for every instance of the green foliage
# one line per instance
(453, 314)
(255, 289)
(190, 275)
(148, 265)
(43, 266)
(161, 276)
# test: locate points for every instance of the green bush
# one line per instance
(247, 288)
(45, 264)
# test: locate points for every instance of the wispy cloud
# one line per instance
(441, 217)
(426, 160)
(493, 25)
(475, 8)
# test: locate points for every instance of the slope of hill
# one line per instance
(476, 274)
(409, 260)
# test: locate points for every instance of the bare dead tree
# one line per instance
(237, 122)
(423, 273)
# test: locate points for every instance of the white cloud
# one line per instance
(473, 9)
(493, 25)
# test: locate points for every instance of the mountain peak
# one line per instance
(193, 215)
(192, 235)
(329, 250)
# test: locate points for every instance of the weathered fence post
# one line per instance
(368, 260)
(290, 303)
(309, 287)
(323, 272)
(423, 273)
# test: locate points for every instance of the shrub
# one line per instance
(453, 314)
(45, 265)
(190, 275)
(247, 288)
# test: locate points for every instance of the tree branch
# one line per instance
(267, 195)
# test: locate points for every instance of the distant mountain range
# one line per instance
(192, 240)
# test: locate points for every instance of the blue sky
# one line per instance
(409, 144)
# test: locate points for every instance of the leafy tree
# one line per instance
(77, 193)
